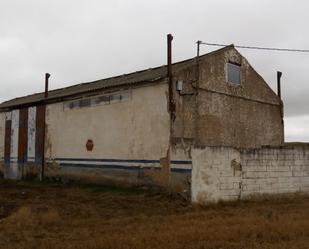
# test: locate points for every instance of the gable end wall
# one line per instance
(212, 112)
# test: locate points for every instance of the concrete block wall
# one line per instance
(225, 173)
(213, 177)
(275, 170)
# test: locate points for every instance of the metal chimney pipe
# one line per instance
(279, 74)
(47, 75)
(198, 47)
(169, 71)
(169, 54)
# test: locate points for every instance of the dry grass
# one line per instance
(49, 216)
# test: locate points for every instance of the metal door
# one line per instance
(22, 140)
(7, 142)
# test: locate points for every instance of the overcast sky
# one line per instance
(84, 40)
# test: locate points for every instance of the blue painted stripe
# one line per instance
(107, 160)
(181, 170)
(117, 166)
(181, 162)
(15, 158)
(110, 160)
(106, 166)
(119, 160)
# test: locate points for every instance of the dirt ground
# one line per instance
(56, 216)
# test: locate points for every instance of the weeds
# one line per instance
(93, 216)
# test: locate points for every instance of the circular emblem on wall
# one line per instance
(89, 145)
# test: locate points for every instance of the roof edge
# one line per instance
(42, 100)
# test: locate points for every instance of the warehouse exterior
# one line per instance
(138, 128)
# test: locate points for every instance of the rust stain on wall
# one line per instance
(89, 145)
(160, 177)
(31, 171)
(48, 143)
(53, 170)
(2, 168)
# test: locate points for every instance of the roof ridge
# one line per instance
(139, 71)
(6, 104)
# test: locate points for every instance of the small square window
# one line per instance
(125, 96)
(71, 105)
(233, 73)
(115, 98)
(85, 102)
(102, 100)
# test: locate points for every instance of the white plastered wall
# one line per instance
(135, 129)
(14, 135)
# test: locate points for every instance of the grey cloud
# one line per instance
(78, 41)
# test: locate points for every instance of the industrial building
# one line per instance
(141, 128)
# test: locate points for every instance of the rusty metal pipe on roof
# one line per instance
(47, 75)
(170, 73)
(169, 54)
(279, 74)
(198, 47)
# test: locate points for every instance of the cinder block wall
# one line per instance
(225, 173)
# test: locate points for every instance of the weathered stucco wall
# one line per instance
(181, 167)
(212, 112)
(225, 173)
(2, 133)
(230, 121)
(138, 128)
(131, 136)
(130, 139)
(129, 132)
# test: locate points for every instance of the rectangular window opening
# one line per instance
(84, 102)
(99, 100)
(233, 73)
(115, 98)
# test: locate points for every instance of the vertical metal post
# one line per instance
(47, 75)
(279, 74)
(171, 102)
(197, 92)
(22, 139)
(170, 73)
(198, 47)
(7, 142)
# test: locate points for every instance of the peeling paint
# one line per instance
(31, 133)
(246, 115)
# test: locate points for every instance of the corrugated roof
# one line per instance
(148, 75)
